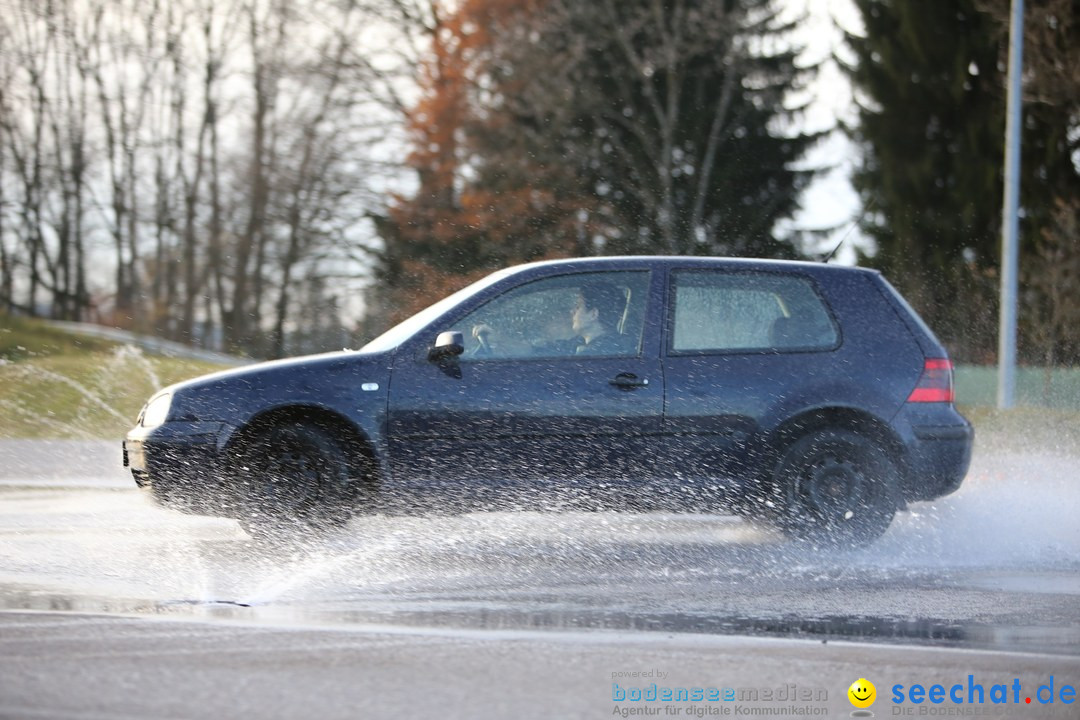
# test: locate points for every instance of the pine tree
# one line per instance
(931, 126)
(1050, 190)
(553, 127)
(930, 79)
(662, 122)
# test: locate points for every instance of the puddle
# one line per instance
(1042, 582)
(898, 631)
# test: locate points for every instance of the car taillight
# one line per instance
(936, 383)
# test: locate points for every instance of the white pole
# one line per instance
(1010, 250)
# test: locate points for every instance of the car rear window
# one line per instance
(715, 311)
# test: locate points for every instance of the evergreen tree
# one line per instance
(1050, 190)
(931, 128)
(549, 128)
(666, 121)
(931, 83)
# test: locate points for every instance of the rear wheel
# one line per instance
(836, 488)
(293, 476)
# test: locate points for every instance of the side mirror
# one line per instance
(447, 344)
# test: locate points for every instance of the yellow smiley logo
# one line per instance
(862, 693)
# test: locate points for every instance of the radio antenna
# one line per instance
(854, 224)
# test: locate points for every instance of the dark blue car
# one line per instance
(809, 396)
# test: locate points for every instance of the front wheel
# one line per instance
(292, 476)
(836, 487)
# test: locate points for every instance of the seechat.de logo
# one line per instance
(862, 694)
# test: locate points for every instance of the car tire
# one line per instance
(836, 488)
(292, 477)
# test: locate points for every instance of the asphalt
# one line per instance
(113, 608)
(84, 667)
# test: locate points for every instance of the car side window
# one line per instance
(747, 312)
(590, 314)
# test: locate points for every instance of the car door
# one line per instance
(739, 347)
(525, 418)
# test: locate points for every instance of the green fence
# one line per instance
(1058, 388)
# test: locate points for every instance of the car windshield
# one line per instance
(410, 326)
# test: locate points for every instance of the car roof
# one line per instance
(691, 261)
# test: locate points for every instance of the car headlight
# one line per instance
(156, 411)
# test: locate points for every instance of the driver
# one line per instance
(596, 315)
(589, 327)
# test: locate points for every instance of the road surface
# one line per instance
(112, 608)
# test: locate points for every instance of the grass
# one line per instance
(24, 339)
(1025, 429)
(1057, 388)
(1046, 416)
(55, 384)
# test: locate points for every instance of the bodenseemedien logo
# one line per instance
(702, 701)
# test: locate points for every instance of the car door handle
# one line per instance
(629, 381)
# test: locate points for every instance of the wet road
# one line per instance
(994, 567)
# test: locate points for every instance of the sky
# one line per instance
(830, 201)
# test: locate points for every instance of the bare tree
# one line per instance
(73, 158)
(26, 134)
(215, 155)
(42, 131)
(7, 254)
(217, 32)
(124, 38)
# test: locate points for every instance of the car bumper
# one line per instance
(939, 442)
(180, 465)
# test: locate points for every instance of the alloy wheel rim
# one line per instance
(833, 488)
